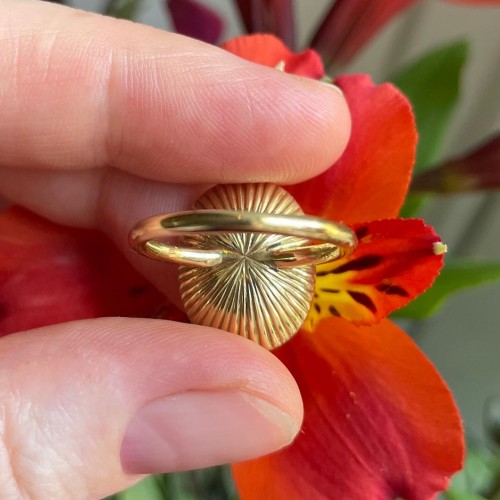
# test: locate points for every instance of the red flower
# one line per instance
(379, 421)
(51, 274)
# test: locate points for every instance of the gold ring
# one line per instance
(247, 256)
(148, 235)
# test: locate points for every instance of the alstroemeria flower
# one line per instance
(379, 421)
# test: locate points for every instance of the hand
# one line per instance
(103, 123)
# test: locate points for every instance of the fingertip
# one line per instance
(118, 397)
(319, 135)
(254, 412)
(297, 127)
(201, 429)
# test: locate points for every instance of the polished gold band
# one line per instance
(148, 235)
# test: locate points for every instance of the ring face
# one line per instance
(249, 295)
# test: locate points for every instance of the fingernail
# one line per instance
(201, 429)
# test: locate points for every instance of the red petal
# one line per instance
(379, 421)
(51, 274)
(371, 178)
(395, 260)
(271, 51)
(194, 19)
(350, 24)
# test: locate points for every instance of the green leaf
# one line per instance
(214, 483)
(432, 83)
(458, 274)
(122, 9)
(413, 203)
(462, 495)
(479, 479)
(148, 489)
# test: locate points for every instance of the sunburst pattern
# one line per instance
(249, 297)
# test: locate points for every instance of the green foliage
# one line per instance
(479, 479)
(462, 495)
(149, 488)
(122, 9)
(214, 483)
(412, 204)
(432, 83)
(458, 274)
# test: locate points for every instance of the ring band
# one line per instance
(148, 237)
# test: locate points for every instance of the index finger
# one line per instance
(81, 91)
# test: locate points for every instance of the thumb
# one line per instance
(85, 407)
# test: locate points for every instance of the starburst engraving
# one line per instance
(250, 296)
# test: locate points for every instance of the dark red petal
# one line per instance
(269, 16)
(196, 20)
(171, 312)
(371, 178)
(379, 421)
(395, 260)
(477, 170)
(271, 51)
(350, 24)
(51, 274)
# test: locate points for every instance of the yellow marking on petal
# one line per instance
(332, 297)
(309, 323)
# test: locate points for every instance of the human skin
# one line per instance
(104, 122)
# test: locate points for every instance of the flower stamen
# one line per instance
(439, 248)
(280, 66)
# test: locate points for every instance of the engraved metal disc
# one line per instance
(252, 298)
